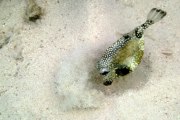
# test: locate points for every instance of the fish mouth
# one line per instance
(107, 83)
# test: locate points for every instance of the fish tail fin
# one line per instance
(155, 15)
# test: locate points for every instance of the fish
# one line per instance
(126, 53)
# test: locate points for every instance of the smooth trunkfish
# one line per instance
(126, 53)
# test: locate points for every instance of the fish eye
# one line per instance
(122, 71)
(104, 73)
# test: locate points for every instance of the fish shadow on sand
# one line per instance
(133, 81)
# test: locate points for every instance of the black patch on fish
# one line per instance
(158, 10)
(150, 22)
(144, 26)
(138, 34)
(163, 14)
(154, 9)
(123, 70)
(127, 37)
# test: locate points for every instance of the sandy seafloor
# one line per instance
(47, 69)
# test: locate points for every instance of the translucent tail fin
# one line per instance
(155, 15)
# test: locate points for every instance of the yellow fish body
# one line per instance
(126, 53)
